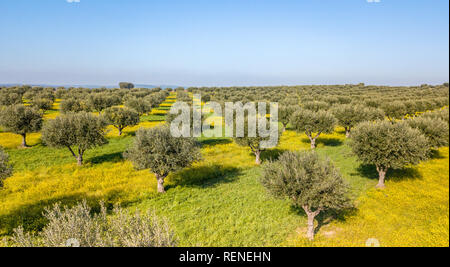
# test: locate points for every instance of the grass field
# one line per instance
(220, 202)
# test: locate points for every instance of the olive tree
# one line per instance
(348, 115)
(21, 120)
(139, 105)
(99, 102)
(388, 145)
(254, 143)
(395, 110)
(310, 183)
(10, 98)
(126, 85)
(436, 130)
(74, 105)
(439, 114)
(5, 167)
(156, 149)
(75, 131)
(42, 103)
(284, 115)
(313, 124)
(121, 118)
(316, 105)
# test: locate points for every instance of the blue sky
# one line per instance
(224, 42)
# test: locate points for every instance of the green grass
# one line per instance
(153, 118)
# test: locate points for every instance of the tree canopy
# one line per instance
(349, 115)
(121, 118)
(21, 120)
(313, 124)
(126, 85)
(435, 130)
(156, 149)
(75, 131)
(388, 145)
(308, 182)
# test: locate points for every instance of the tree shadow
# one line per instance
(272, 154)
(214, 141)
(407, 173)
(112, 157)
(205, 176)
(326, 141)
(31, 218)
(436, 154)
(340, 131)
(326, 217)
(404, 174)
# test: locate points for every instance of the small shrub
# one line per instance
(78, 227)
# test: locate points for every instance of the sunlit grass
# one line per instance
(10, 140)
(412, 211)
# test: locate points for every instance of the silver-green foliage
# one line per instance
(284, 114)
(309, 182)
(74, 105)
(254, 143)
(21, 120)
(350, 115)
(77, 226)
(436, 130)
(121, 117)
(156, 149)
(313, 124)
(139, 105)
(387, 145)
(442, 114)
(75, 131)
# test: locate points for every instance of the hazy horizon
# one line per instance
(224, 43)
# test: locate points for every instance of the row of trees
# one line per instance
(310, 182)
(316, 186)
(22, 120)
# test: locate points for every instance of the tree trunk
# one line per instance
(313, 143)
(80, 160)
(24, 140)
(381, 177)
(311, 216)
(160, 180)
(258, 157)
(310, 232)
(120, 131)
(347, 132)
